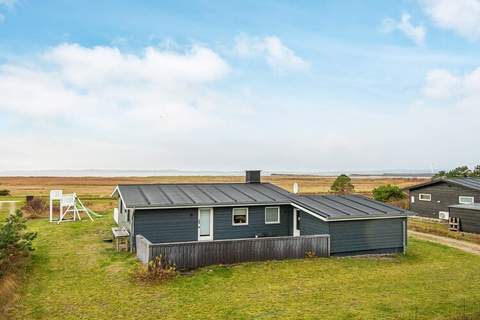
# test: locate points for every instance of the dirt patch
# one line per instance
(462, 245)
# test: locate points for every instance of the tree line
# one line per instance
(462, 171)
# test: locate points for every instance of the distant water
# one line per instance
(153, 173)
(115, 173)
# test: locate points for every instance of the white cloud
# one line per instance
(276, 54)
(102, 85)
(414, 33)
(2, 18)
(440, 84)
(8, 3)
(76, 107)
(462, 16)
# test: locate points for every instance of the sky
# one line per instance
(233, 85)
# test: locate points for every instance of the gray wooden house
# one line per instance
(445, 198)
(181, 214)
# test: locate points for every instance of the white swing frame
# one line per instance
(69, 203)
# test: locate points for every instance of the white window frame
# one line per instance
(463, 202)
(210, 236)
(420, 195)
(278, 215)
(233, 215)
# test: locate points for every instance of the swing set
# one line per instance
(70, 207)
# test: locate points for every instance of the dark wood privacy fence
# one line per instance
(191, 255)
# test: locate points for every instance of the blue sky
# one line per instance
(216, 85)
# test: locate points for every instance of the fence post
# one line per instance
(149, 251)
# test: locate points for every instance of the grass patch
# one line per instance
(441, 229)
(75, 275)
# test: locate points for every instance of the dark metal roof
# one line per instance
(175, 195)
(328, 207)
(348, 207)
(475, 206)
(472, 183)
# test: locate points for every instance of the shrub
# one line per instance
(14, 241)
(4, 192)
(310, 254)
(157, 270)
(388, 193)
(35, 207)
(343, 184)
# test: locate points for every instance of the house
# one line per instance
(185, 213)
(442, 197)
(467, 215)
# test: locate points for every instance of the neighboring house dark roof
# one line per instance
(329, 207)
(475, 206)
(471, 183)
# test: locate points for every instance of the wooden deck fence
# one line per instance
(191, 255)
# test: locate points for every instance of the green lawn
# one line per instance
(75, 275)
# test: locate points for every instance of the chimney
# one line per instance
(253, 176)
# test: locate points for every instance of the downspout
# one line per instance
(132, 231)
(404, 237)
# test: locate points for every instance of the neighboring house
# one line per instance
(468, 216)
(438, 198)
(169, 213)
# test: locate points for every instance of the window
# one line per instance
(425, 197)
(128, 214)
(466, 200)
(272, 215)
(240, 217)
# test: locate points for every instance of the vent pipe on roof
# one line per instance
(253, 176)
(296, 188)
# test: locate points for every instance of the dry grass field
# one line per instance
(103, 186)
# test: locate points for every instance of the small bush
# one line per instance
(310, 254)
(157, 270)
(35, 207)
(15, 242)
(343, 184)
(388, 193)
(4, 192)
